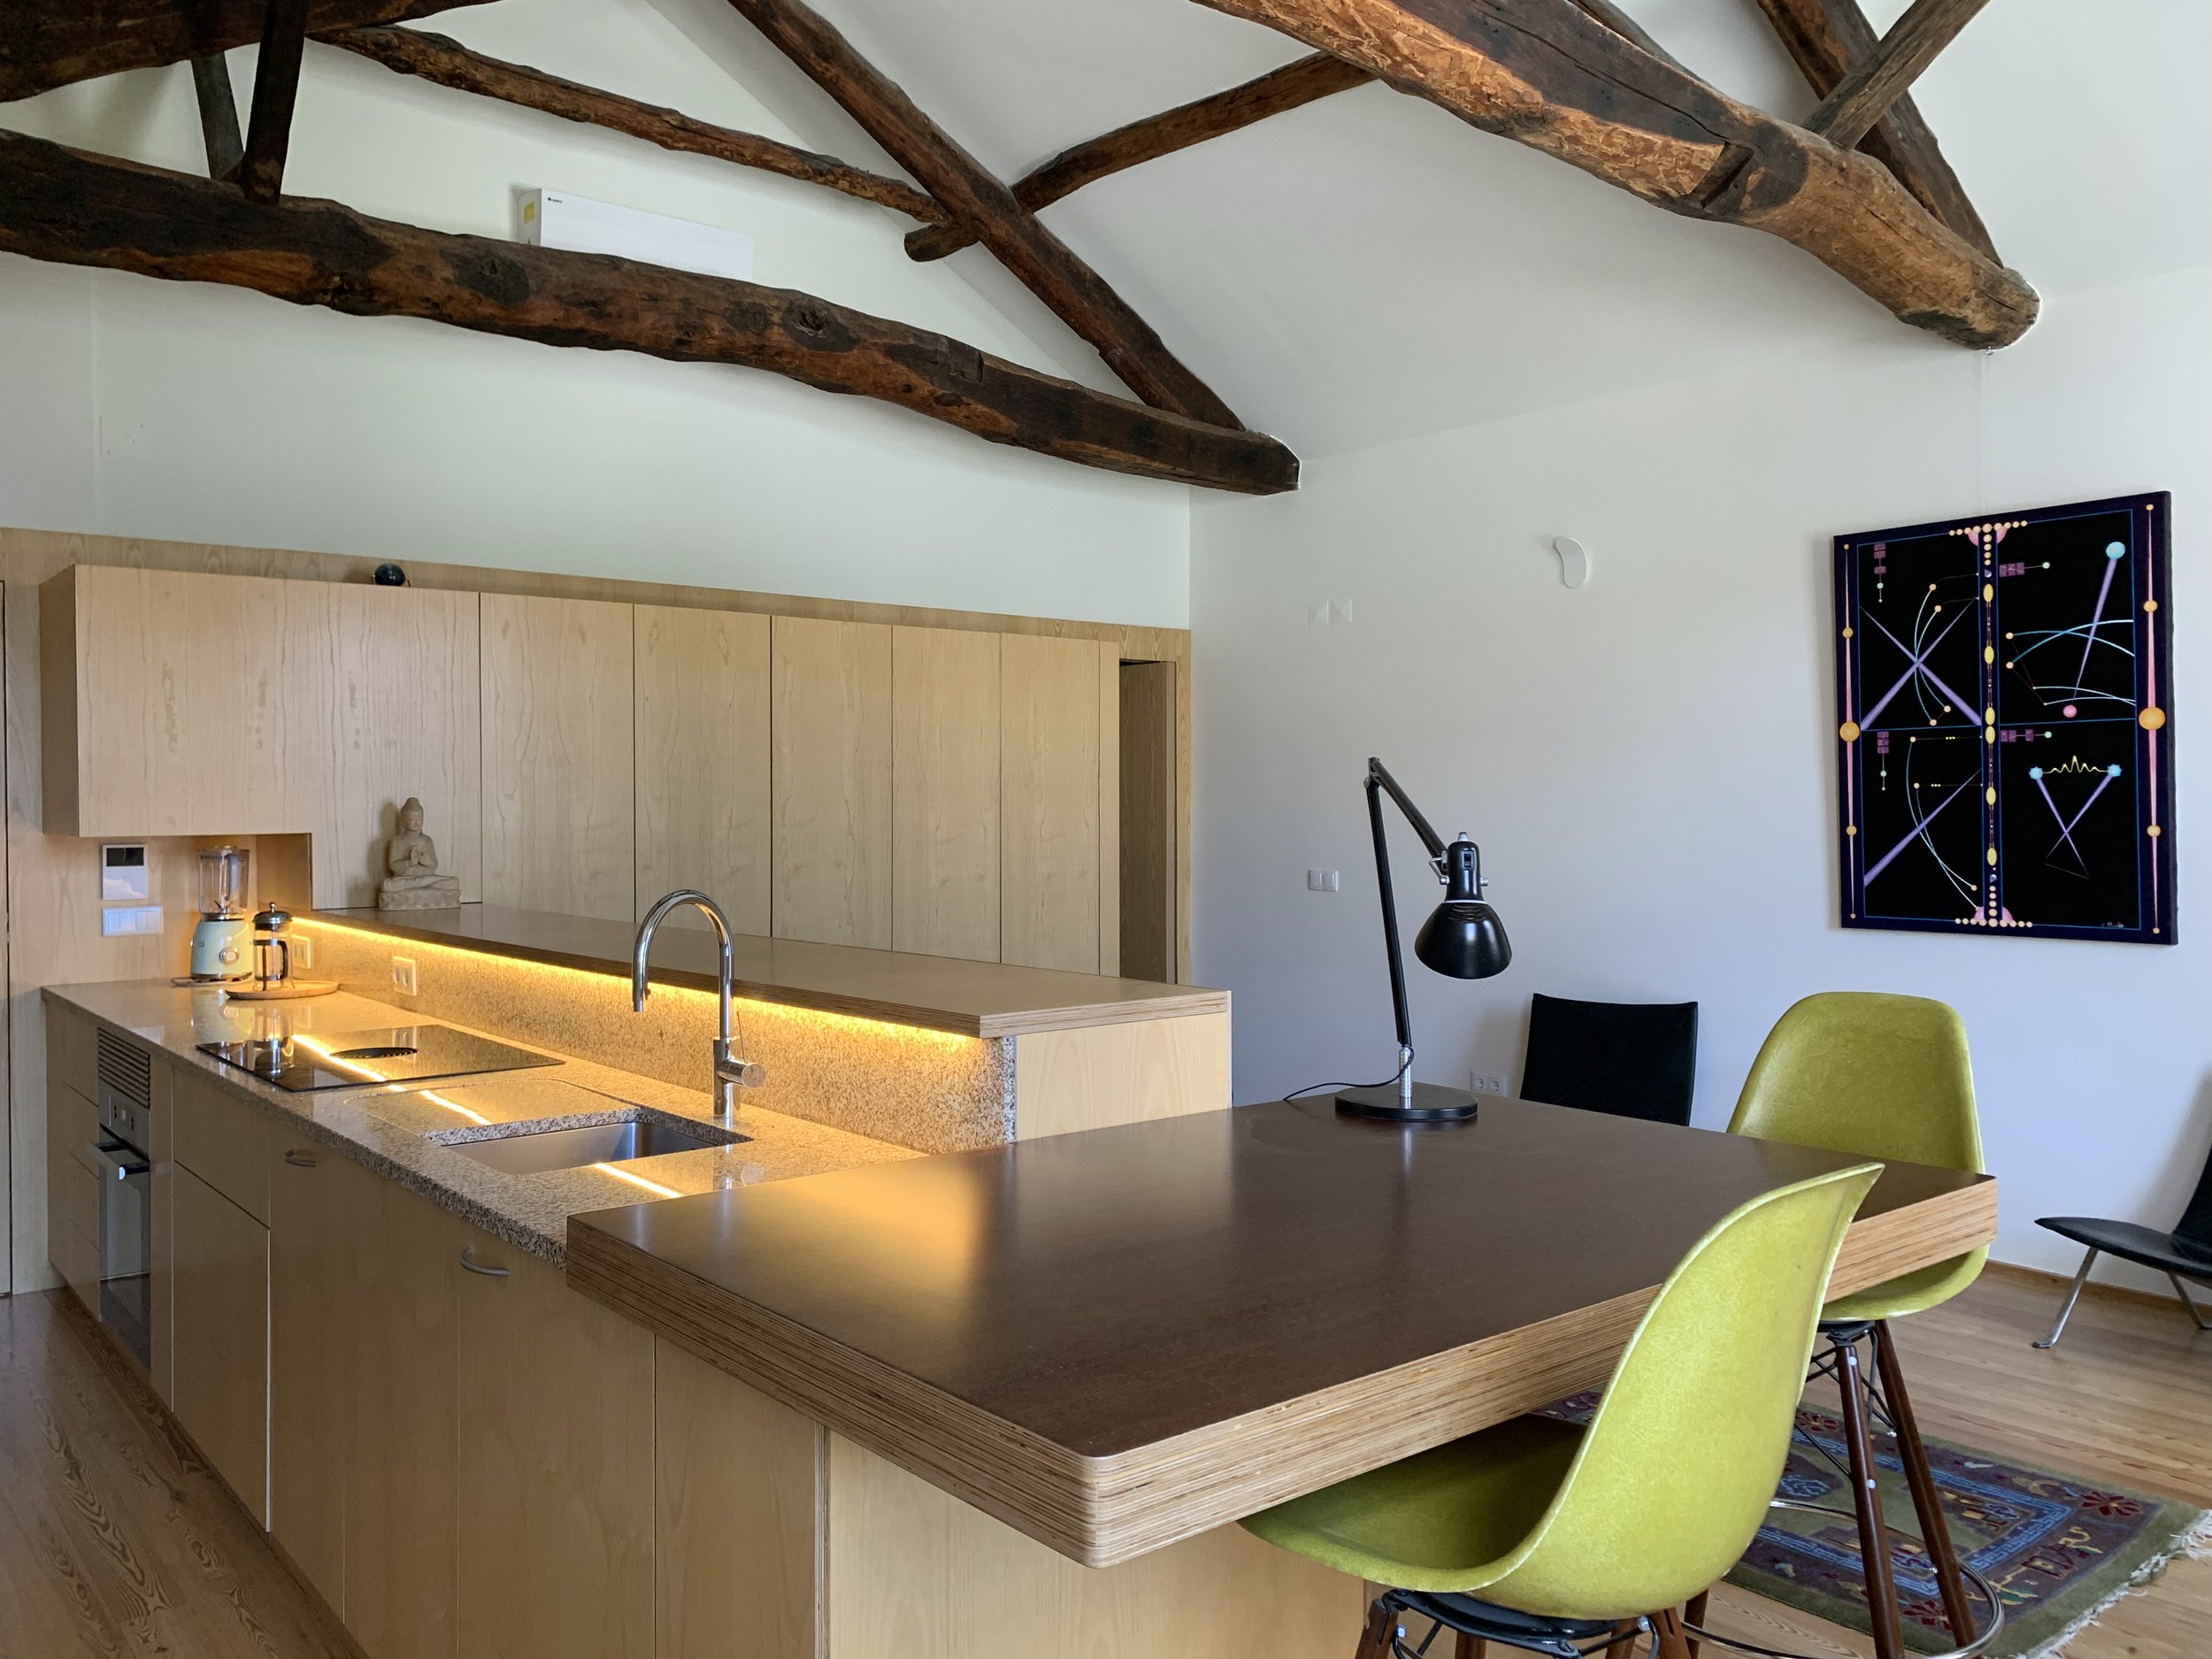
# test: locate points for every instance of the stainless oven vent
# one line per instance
(125, 1068)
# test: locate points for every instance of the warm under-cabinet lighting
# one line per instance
(654, 1188)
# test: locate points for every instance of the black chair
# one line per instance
(2183, 1253)
(1628, 1059)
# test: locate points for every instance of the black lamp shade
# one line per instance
(1463, 940)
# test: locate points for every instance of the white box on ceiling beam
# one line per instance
(554, 218)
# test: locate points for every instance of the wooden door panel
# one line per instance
(945, 793)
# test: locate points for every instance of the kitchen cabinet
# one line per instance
(160, 1259)
(380, 685)
(945, 793)
(702, 723)
(222, 1141)
(402, 1546)
(220, 1288)
(320, 1205)
(831, 797)
(559, 789)
(72, 1193)
(556, 1414)
(165, 709)
(1060, 750)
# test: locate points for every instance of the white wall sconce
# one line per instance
(1574, 560)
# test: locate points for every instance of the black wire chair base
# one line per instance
(1554, 1638)
(1965, 1651)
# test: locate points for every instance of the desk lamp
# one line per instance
(1463, 939)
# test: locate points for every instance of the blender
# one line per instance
(222, 942)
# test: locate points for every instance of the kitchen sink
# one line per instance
(532, 1151)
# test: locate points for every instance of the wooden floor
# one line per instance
(116, 1539)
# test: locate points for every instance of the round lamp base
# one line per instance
(1431, 1105)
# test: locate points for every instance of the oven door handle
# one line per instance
(118, 1160)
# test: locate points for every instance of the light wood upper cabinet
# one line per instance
(945, 793)
(559, 782)
(382, 705)
(220, 1281)
(831, 786)
(555, 1467)
(1059, 758)
(702, 723)
(163, 703)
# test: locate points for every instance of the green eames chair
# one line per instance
(1566, 1532)
(1881, 1076)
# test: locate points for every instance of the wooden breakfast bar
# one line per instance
(1118, 1342)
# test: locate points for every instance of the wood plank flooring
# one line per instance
(115, 1539)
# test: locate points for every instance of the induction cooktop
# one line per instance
(383, 1054)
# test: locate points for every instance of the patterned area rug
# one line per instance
(2058, 1550)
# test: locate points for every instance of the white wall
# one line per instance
(134, 407)
(1647, 761)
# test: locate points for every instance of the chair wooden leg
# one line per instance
(1673, 1642)
(1624, 1643)
(1934, 1531)
(1374, 1641)
(1466, 1647)
(1694, 1614)
(1881, 1588)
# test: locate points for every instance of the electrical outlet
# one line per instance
(1321, 881)
(302, 950)
(1482, 1084)
(404, 975)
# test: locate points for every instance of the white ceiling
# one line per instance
(1369, 267)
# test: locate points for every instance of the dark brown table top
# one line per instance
(1104, 1293)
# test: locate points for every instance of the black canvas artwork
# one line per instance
(2005, 726)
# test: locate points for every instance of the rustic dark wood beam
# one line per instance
(1626, 26)
(276, 90)
(1827, 38)
(47, 44)
(449, 63)
(1045, 264)
(1543, 73)
(1859, 100)
(77, 208)
(218, 114)
(1156, 135)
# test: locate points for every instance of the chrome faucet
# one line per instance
(730, 1073)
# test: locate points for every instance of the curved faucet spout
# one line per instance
(729, 1071)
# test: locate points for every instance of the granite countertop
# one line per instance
(386, 1128)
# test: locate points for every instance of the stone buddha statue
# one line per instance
(414, 883)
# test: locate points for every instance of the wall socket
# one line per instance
(302, 950)
(1482, 1084)
(404, 975)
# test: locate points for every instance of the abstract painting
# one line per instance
(2005, 728)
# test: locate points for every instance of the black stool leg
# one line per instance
(1934, 1531)
(1881, 1587)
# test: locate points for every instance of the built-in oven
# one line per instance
(127, 1193)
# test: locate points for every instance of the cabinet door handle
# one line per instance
(468, 1260)
(300, 1160)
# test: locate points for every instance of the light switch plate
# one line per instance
(121, 921)
(404, 975)
(1321, 881)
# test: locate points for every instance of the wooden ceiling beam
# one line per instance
(219, 115)
(77, 208)
(1545, 74)
(1289, 87)
(47, 44)
(1626, 26)
(449, 63)
(1864, 96)
(1827, 39)
(974, 198)
(276, 90)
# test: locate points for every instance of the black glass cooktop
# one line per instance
(384, 1054)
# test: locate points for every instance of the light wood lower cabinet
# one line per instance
(555, 1467)
(220, 1286)
(317, 1206)
(73, 1192)
(402, 1520)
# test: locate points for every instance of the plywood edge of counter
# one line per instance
(1104, 1510)
(969, 999)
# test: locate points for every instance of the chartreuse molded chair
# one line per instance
(1880, 1076)
(1562, 1540)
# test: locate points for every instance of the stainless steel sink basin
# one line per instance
(533, 1151)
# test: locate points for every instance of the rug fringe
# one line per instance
(2195, 1542)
